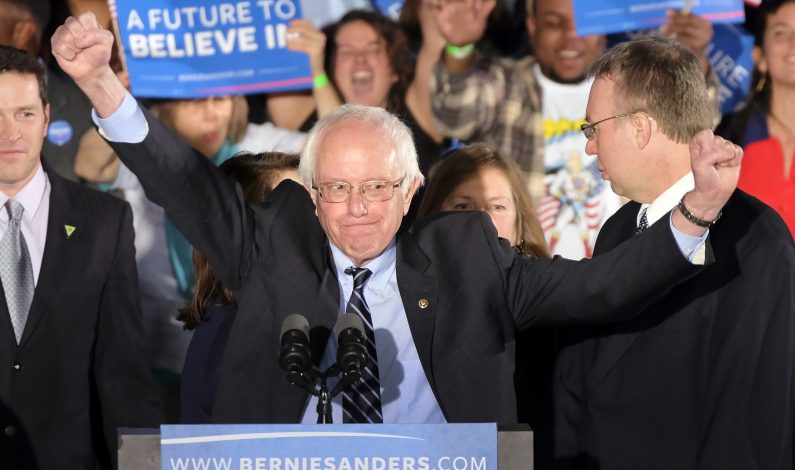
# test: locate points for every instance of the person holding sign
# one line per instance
(704, 377)
(442, 325)
(363, 59)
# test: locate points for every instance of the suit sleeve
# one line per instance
(610, 287)
(127, 393)
(207, 207)
(751, 358)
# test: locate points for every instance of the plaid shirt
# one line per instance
(497, 101)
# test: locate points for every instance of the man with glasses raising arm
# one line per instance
(441, 304)
(702, 378)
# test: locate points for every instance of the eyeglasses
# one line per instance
(371, 51)
(590, 129)
(373, 191)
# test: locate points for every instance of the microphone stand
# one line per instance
(306, 381)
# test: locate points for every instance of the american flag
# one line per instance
(549, 209)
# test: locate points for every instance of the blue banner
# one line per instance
(197, 48)
(610, 16)
(389, 8)
(330, 447)
(729, 54)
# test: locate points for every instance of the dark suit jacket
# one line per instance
(478, 293)
(78, 372)
(701, 379)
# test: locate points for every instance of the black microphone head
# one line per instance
(295, 355)
(349, 320)
(351, 353)
(295, 322)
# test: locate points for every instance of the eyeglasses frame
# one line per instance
(394, 184)
(590, 129)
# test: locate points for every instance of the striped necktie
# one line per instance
(16, 270)
(361, 403)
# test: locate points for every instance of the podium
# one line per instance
(139, 449)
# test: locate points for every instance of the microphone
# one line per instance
(295, 355)
(351, 353)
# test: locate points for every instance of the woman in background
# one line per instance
(212, 307)
(364, 58)
(478, 178)
(766, 126)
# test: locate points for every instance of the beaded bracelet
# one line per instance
(692, 218)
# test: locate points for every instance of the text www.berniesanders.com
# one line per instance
(328, 463)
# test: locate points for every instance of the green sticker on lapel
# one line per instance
(70, 229)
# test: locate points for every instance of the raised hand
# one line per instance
(81, 47)
(304, 37)
(463, 21)
(693, 31)
(83, 50)
(716, 169)
(431, 35)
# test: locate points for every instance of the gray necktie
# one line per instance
(16, 271)
(643, 224)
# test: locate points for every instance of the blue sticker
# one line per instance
(60, 132)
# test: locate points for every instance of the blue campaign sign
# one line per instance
(729, 53)
(389, 8)
(609, 16)
(197, 48)
(330, 447)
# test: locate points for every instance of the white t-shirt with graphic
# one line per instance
(577, 201)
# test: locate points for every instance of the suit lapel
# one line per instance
(59, 249)
(609, 348)
(326, 309)
(419, 293)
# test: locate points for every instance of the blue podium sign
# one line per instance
(330, 447)
(610, 16)
(197, 48)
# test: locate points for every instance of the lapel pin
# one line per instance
(423, 303)
(69, 229)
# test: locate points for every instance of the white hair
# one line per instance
(401, 151)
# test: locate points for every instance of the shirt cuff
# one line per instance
(127, 125)
(693, 248)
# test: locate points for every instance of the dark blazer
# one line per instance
(78, 372)
(202, 367)
(703, 378)
(477, 293)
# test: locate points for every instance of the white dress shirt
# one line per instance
(35, 198)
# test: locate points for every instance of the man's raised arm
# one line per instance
(716, 169)
(83, 49)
